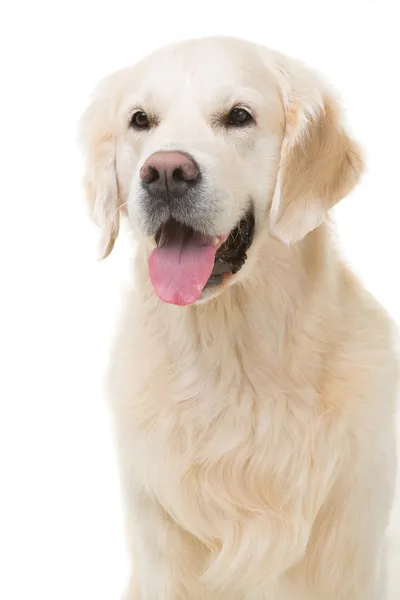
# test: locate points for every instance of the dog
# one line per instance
(253, 380)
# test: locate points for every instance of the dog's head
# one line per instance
(207, 147)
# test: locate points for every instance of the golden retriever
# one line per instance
(253, 381)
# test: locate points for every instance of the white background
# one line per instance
(60, 522)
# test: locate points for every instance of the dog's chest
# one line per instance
(206, 445)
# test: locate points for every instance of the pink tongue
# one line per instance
(181, 265)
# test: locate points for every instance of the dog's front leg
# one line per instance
(166, 561)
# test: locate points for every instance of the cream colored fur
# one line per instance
(256, 429)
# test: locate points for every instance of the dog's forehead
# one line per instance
(203, 69)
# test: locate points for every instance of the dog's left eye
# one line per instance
(239, 116)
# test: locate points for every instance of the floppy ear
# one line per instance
(100, 178)
(319, 161)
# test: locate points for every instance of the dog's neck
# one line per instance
(266, 307)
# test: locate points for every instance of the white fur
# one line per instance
(255, 430)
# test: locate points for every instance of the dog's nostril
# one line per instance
(187, 171)
(153, 175)
(178, 175)
(149, 174)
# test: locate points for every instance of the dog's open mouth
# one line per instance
(186, 262)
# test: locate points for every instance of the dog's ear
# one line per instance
(319, 162)
(98, 140)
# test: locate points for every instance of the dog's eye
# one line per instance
(140, 120)
(239, 117)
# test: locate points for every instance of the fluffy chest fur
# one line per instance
(236, 420)
(221, 428)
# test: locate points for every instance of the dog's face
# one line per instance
(207, 147)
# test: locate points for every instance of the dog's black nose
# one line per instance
(169, 175)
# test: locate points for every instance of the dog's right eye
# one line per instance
(139, 120)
